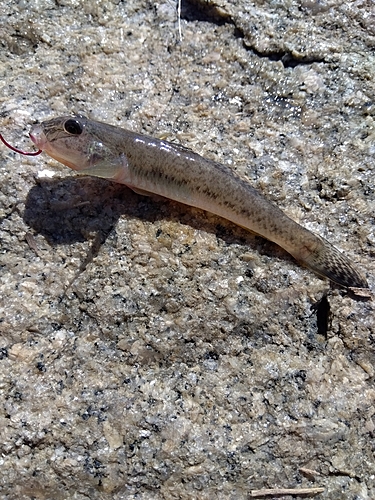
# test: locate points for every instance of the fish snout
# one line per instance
(38, 137)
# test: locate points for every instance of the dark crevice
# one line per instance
(288, 60)
(323, 313)
(194, 10)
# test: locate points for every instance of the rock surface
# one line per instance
(150, 350)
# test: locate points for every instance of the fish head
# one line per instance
(71, 141)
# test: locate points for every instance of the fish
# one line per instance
(151, 166)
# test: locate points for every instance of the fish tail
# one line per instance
(325, 260)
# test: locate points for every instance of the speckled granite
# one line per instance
(150, 350)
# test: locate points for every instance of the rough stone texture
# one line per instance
(153, 351)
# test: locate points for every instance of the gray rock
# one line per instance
(153, 351)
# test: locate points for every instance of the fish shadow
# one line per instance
(69, 210)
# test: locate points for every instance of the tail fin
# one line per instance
(328, 262)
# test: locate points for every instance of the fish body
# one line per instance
(148, 165)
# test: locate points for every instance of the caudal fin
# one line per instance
(328, 262)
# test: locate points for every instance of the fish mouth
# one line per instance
(38, 137)
(40, 140)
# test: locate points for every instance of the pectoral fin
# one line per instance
(108, 169)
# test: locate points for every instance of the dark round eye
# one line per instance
(73, 127)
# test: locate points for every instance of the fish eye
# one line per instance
(73, 127)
